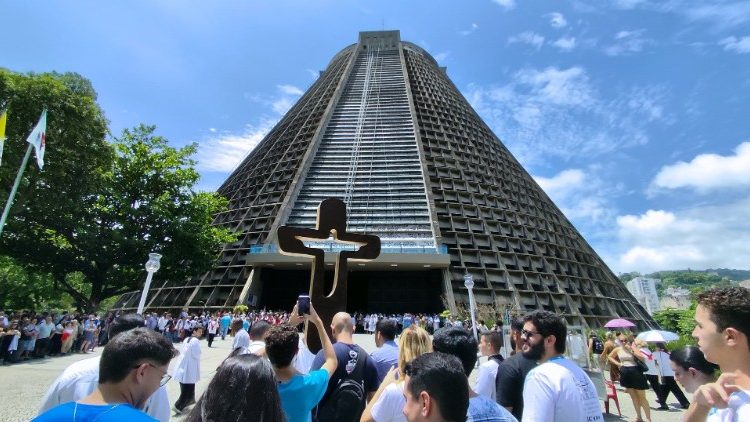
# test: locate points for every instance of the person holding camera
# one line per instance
(299, 393)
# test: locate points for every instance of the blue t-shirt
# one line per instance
(91, 412)
(301, 394)
(482, 409)
(385, 358)
(225, 320)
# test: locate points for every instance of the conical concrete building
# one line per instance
(385, 130)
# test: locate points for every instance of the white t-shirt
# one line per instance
(560, 391)
(662, 364)
(304, 358)
(651, 362)
(738, 410)
(485, 385)
(81, 378)
(390, 404)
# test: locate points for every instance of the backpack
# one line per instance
(598, 346)
(497, 358)
(347, 400)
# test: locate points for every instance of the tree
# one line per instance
(22, 289)
(77, 153)
(100, 207)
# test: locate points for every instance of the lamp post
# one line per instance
(469, 284)
(152, 266)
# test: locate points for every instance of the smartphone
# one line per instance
(303, 305)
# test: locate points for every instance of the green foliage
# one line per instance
(91, 218)
(625, 277)
(680, 321)
(26, 290)
(240, 309)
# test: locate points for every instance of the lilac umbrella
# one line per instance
(619, 323)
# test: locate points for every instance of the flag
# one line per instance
(37, 138)
(3, 120)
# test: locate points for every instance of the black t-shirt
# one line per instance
(511, 375)
(347, 355)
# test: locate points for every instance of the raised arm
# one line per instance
(331, 363)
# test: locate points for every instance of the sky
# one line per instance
(631, 114)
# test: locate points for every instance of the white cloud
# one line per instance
(565, 43)
(627, 42)
(628, 4)
(723, 15)
(281, 103)
(507, 4)
(314, 74)
(566, 87)
(647, 101)
(557, 20)
(224, 152)
(707, 172)
(562, 183)
(582, 196)
(557, 112)
(716, 236)
(289, 90)
(441, 56)
(531, 38)
(470, 30)
(739, 46)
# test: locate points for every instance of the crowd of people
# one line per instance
(270, 375)
(28, 335)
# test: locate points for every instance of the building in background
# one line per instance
(644, 291)
(675, 298)
(385, 130)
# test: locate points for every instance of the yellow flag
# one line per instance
(3, 120)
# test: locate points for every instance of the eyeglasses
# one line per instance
(527, 333)
(164, 378)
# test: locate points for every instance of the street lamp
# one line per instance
(469, 284)
(152, 266)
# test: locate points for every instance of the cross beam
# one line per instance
(331, 222)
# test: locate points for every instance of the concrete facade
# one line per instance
(385, 130)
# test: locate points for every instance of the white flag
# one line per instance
(37, 137)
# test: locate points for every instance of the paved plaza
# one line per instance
(25, 384)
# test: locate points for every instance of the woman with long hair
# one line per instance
(243, 389)
(631, 376)
(691, 369)
(388, 401)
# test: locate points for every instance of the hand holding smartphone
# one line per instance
(303, 305)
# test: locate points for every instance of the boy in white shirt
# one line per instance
(489, 345)
(723, 332)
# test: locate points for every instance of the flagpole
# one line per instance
(12, 195)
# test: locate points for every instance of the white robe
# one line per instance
(188, 368)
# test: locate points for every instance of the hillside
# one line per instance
(692, 279)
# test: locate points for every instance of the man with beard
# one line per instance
(512, 372)
(557, 389)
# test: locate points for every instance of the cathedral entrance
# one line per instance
(369, 291)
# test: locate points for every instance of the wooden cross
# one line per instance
(331, 222)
